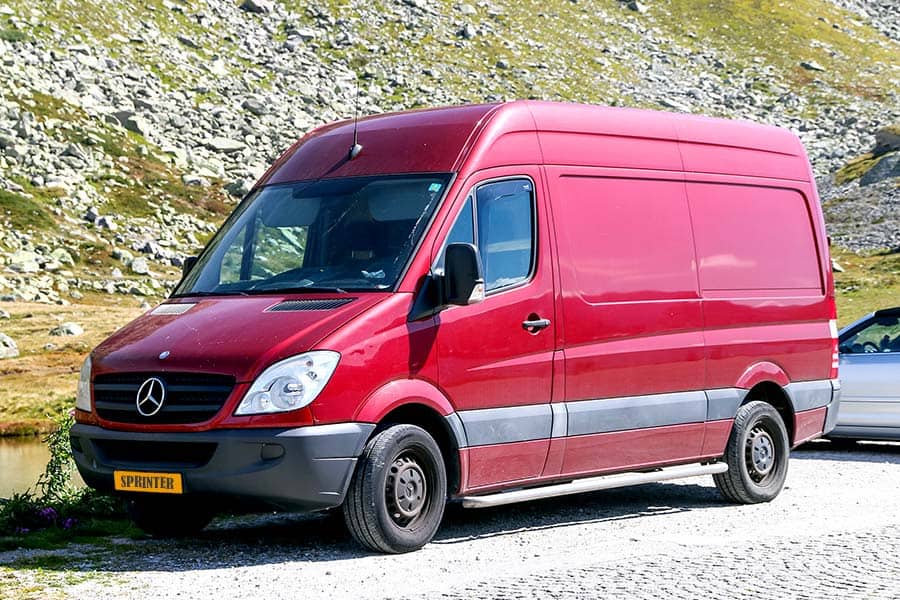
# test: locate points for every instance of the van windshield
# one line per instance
(348, 234)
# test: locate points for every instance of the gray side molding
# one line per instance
(807, 395)
(723, 403)
(636, 412)
(456, 428)
(509, 424)
(560, 428)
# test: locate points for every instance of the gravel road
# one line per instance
(833, 532)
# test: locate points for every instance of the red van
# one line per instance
(485, 304)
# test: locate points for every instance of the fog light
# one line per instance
(271, 451)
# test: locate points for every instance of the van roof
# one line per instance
(444, 139)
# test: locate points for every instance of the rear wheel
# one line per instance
(398, 492)
(757, 455)
(169, 517)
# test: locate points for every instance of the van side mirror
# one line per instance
(463, 275)
(189, 262)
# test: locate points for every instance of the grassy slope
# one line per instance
(40, 383)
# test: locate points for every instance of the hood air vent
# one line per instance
(298, 305)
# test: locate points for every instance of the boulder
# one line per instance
(887, 139)
(67, 329)
(8, 348)
(260, 7)
(886, 168)
(140, 266)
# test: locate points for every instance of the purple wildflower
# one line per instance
(22, 530)
(69, 523)
(48, 514)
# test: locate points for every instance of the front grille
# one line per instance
(309, 304)
(189, 398)
(129, 453)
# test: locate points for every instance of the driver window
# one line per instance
(463, 232)
(499, 220)
(882, 335)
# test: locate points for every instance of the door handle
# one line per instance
(535, 325)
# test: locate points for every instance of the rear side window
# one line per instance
(753, 238)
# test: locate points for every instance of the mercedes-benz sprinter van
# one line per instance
(486, 304)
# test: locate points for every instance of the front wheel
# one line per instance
(757, 455)
(397, 495)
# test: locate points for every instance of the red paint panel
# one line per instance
(623, 239)
(630, 300)
(411, 142)
(626, 450)
(802, 350)
(754, 238)
(649, 364)
(214, 336)
(740, 148)
(715, 437)
(808, 424)
(555, 457)
(490, 465)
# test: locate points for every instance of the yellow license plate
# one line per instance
(142, 481)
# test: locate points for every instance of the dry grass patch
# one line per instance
(40, 384)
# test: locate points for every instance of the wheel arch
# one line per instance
(775, 395)
(418, 402)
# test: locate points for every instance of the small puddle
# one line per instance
(22, 460)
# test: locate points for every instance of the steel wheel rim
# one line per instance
(407, 489)
(761, 454)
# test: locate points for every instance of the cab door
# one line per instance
(495, 357)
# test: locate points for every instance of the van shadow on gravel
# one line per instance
(280, 538)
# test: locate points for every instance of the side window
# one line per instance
(501, 227)
(882, 335)
(505, 237)
(463, 232)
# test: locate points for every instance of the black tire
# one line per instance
(757, 455)
(397, 495)
(169, 517)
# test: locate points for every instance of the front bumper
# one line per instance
(306, 468)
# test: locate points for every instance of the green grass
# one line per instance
(856, 168)
(12, 35)
(96, 532)
(869, 282)
(783, 34)
(23, 213)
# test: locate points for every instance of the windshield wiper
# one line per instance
(204, 294)
(294, 290)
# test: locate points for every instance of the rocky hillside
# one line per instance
(129, 129)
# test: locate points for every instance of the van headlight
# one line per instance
(83, 397)
(290, 384)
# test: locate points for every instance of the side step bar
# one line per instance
(603, 482)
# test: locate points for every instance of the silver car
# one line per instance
(870, 378)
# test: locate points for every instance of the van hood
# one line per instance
(233, 335)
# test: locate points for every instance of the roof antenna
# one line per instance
(356, 148)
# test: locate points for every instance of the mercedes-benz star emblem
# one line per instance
(150, 397)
